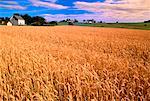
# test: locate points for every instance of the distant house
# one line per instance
(9, 23)
(70, 22)
(17, 20)
(3, 22)
(89, 21)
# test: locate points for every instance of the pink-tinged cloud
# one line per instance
(80, 17)
(12, 7)
(47, 4)
(127, 10)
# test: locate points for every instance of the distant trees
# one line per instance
(53, 23)
(62, 21)
(17, 14)
(75, 21)
(35, 20)
(4, 20)
(148, 21)
(66, 20)
(38, 20)
(70, 23)
(70, 20)
(27, 18)
(90, 21)
(101, 22)
(84, 20)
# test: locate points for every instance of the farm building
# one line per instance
(2, 22)
(9, 23)
(17, 20)
(70, 22)
(89, 21)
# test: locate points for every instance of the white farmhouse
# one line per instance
(17, 20)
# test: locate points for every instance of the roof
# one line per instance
(9, 22)
(18, 17)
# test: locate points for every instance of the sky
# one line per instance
(100, 10)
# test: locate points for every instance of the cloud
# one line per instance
(9, 2)
(51, 0)
(97, 16)
(80, 17)
(121, 5)
(127, 10)
(11, 5)
(47, 4)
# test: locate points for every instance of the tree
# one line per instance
(2, 18)
(38, 20)
(101, 22)
(7, 19)
(147, 21)
(70, 23)
(17, 14)
(62, 21)
(68, 20)
(27, 18)
(75, 20)
(53, 23)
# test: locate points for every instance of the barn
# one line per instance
(17, 20)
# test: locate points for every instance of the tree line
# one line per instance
(148, 21)
(38, 20)
(35, 20)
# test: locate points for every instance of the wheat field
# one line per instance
(70, 63)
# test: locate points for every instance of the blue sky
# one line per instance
(105, 10)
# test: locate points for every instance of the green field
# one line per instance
(144, 26)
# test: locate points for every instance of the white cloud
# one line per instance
(11, 5)
(123, 5)
(47, 4)
(123, 10)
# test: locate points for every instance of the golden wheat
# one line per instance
(74, 63)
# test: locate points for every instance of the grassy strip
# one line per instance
(143, 26)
